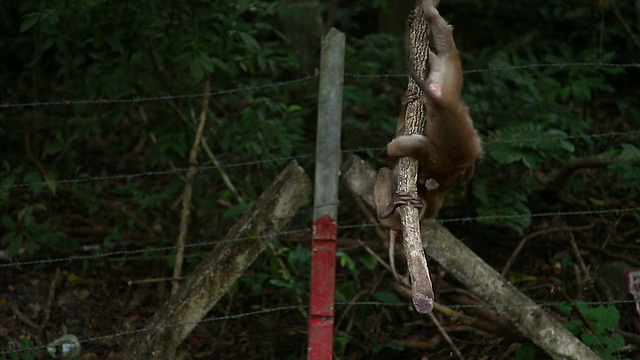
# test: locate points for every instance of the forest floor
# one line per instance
(103, 301)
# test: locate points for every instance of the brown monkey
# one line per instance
(447, 154)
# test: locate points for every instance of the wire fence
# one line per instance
(130, 252)
(147, 174)
(301, 309)
(275, 84)
(124, 252)
(174, 171)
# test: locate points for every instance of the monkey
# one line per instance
(448, 152)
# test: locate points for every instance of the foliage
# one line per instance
(105, 50)
(598, 331)
(28, 352)
(116, 91)
(526, 352)
(81, 52)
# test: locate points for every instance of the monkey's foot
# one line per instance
(431, 184)
(400, 198)
(403, 198)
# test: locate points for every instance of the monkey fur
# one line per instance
(448, 152)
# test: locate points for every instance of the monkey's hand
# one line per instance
(429, 8)
(409, 96)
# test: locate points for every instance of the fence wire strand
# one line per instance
(93, 339)
(124, 253)
(135, 100)
(147, 174)
(153, 173)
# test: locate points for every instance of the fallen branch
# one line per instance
(528, 317)
(222, 267)
(187, 193)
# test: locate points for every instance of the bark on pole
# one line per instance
(531, 319)
(224, 265)
(415, 119)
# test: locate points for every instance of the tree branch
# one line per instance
(415, 119)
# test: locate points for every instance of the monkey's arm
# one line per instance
(415, 146)
(444, 83)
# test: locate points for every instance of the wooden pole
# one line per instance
(325, 231)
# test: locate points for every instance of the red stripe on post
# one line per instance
(323, 281)
(320, 338)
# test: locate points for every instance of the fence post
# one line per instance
(325, 229)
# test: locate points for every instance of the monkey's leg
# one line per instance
(386, 210)
(444, 82)
(384, 187)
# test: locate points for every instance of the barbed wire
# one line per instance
(546, 65)
(126, 252)
(145, 174)
(288, 158)
(305, 307)
(563, 137)
(511, 68)
(135, 100)
(545, 214)
(152, 173)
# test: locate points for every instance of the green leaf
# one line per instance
(607, 316)
(368, 261)
(526, 352)
(29, 21)
(196, 70)
(618, 341)
(249, 41)
(574, 326)
(279, 283)
(16, 242)
(390, 345)
(8, 222)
